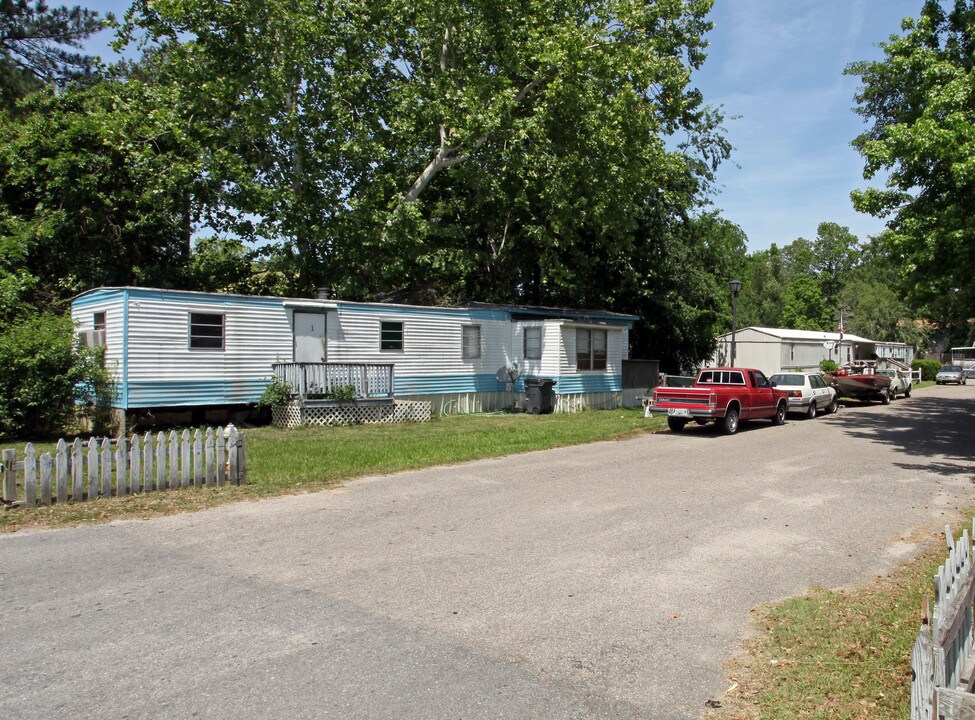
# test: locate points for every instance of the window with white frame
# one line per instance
(206, 331)
(471, 342)
(390, 335)
(590, 349)
(533, 343)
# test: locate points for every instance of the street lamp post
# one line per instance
(735, 286)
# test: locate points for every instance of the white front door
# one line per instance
(309, 337)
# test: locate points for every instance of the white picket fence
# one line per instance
(142, 464)
(942, 661)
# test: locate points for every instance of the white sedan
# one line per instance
(808, 393)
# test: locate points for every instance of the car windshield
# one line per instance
(951, 368)
(788, 379)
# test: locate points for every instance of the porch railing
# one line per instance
(371, 381)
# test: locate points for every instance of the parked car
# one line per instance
(900, 383)
(808, 393)
(950, 374)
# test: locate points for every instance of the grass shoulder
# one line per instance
(832, 654)
(312, 458)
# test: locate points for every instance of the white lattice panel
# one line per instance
(293, 415)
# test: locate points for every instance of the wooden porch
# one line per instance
(328, 383)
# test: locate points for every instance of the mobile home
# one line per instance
(179, 350)
(774, 350)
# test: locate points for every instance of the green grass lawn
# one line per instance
(312, 458)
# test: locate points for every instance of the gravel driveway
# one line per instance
(602, 581)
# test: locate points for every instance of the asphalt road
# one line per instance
(604, 581)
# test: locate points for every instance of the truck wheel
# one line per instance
(676, 424)
(811, 412)
(729, 426)
(885, 397)
(779, 417)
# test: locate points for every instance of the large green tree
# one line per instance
(101, 185)
(447, 150)
(920, 103)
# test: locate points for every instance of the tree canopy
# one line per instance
(441, 151)
(919, 102)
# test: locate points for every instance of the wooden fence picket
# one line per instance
(173, 460)
(197, 458)
(160, 461)
(232, 457)
(30, 476)
(106, 468)
(77, 471)
(61, 468)
(210, 462)
(121, 468)
(147, 473)
(221, 454)
(9, 476)
(46, 478)
(135, 464)
(242, 459)
(93, 468)
(184, 449)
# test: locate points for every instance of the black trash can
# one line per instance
(539, 395)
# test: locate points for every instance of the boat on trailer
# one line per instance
(861, 381)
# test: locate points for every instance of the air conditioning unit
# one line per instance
(92, 338)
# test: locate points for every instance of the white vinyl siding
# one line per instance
(255, 336)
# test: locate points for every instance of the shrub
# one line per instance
(43, 375)
(345, 393)
(277, 393)
(929, 368)
(96, 391)
(828, 366)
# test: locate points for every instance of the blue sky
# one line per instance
(776, 67)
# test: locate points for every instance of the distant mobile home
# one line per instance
(175, 350)
(774, 350)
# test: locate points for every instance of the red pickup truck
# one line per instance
(725, 396)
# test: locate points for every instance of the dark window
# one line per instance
(761, 381)
(206, 331)
(591, 349)
(98, 334)
(390, 335)
(722, 377)
(533, 343)
(471, 342)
